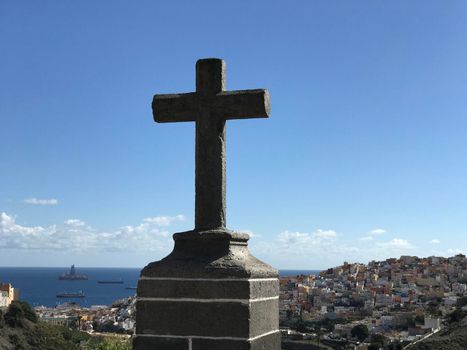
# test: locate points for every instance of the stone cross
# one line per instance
(209, 292)
(210, 106)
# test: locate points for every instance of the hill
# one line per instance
(20, 329)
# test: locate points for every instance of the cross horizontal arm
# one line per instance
(243, 104)
(175, 108)
(239, 104)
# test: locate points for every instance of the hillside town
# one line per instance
(402, 300)
(116, 318)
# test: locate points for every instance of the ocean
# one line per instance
(40, 285)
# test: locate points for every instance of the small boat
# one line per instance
(110, 281)
(79, 294)
(131, 288)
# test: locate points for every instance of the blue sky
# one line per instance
(364, 156)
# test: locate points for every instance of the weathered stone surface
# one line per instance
(267, 342)
(264, 317)
(264, 289)
(169, 108)
(208, 289)
(210, 106)
(216, 319)
(209, 270)
(210, 254)
(207, 317)
(159, 343)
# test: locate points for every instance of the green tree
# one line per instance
(14, 316)
(29, 312)
(17, 312)
(420, 319)
(300, 326)
(50, 337)
(456, 315)
(410, 322)
(2, 320)
(379, 340)
(360, 332)
(462, 302)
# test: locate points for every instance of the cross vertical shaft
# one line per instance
(210, 149)
(210, 172)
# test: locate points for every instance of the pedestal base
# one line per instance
(267, 342)
(209, 293)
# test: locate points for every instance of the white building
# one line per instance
(432, 323)
(7, 294)
(4, 301)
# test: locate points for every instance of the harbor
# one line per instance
(40, 286)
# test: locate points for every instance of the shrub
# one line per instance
(29, 312)
(50, 337)
(462, 302)
(379, 339)
(420, 319)
(17, 312)
(18, 342)
(456, 315)
(14, 317)
(108, 344)
(360, 332)
(2, 320)
(107, 327)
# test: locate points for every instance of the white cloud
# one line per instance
(300, 239)
(292, 249)
(152, 236)
(74, 222)
(6, 220)
(455, 251)
(326, 234)
(366, 238)
(75, 236)
(327, 248)
(435, 241)
(164, 220)
(377, 232)
(398, 243)
(373, 234)
(37, 201)
(9, 227)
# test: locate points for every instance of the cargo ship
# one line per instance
(72, 275)
(110, 281)
(79, 294)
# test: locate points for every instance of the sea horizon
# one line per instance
(39, 286)
(127, 267)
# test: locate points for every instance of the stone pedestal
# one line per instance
(208, 294)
